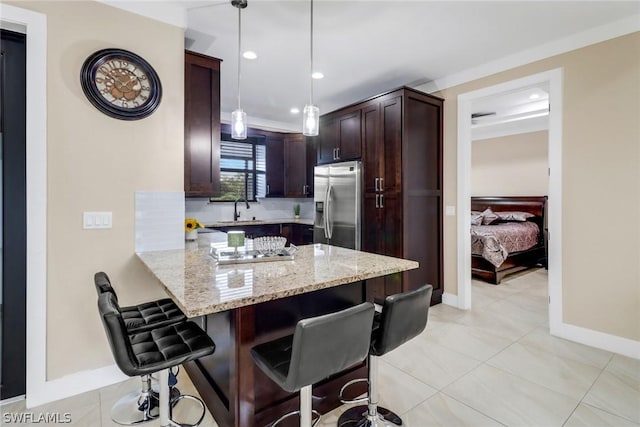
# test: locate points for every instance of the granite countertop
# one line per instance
(199, 286)
(304, 221)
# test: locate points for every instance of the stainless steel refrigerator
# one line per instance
(338, 199)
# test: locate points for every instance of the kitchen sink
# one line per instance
(242, 222)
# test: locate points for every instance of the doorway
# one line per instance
(553, 80)
(13, 249)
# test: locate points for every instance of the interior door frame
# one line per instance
(554, 78)
(14, 269)
(34, 25)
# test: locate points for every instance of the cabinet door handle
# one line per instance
(381, 184)
(377, 201)
(338, 153)
(377, 183)
(304, 189)
(267, 188)
(381, 201)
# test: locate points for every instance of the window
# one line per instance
(243, 167)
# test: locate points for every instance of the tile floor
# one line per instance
(493, 365)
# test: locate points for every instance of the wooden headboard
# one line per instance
(535, 205)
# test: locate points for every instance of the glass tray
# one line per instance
(229, 256)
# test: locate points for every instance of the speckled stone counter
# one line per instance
(199, 286)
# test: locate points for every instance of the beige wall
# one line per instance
(514, 165)
(600, 180)
(96, 163)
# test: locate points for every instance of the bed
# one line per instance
(496, 250)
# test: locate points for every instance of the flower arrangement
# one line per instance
(296, 210)
(192, 224)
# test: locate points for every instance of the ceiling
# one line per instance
(368, 47)
(518, 111)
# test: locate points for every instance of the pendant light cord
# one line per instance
(311, 61)
(239, 50)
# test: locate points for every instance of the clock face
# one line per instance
(121, 84)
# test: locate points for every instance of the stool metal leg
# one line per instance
(306, 411)
(163, 379)
(305, 406)
(137, 407)
(370, 415)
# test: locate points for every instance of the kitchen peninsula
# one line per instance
(243, 305)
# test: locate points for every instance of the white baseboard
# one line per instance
(612, 343)
(450, 299)
(74, 384)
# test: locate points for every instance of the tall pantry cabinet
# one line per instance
(401, 138)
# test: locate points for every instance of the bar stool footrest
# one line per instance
(176, 400)
(292, 413)
(356, 400)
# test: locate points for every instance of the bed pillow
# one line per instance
(476, 218)
(488, 216)
(514, 216)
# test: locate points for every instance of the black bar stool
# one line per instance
(139, 406)
(155, 350)
(403, 317)
(320, 347)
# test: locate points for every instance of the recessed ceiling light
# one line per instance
(534, 96)
(317, 75)
(295, 111)
(249, 54)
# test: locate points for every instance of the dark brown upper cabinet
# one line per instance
(201, 125)
(275, 165)
(340, 137)
(295, 162)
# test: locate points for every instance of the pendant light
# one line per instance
(311, 114)
(239, 117)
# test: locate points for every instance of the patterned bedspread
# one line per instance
(496, 242)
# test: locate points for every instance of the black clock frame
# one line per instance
(87, 80)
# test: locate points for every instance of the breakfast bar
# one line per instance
(242, 305)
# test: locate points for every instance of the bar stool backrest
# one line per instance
(404, 316)
(103, 284)
(116, 333)
(328, 344)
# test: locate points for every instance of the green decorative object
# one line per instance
(235, 239)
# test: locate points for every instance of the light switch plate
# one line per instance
(97, 220)
(450, 210)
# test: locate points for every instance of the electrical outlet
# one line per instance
(97, 220)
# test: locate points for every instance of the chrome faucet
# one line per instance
(236, 214)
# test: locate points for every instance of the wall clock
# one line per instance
(121, 84)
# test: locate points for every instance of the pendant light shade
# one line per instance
(311, 114)
(239, 117)
(239, 124)
(311, 120)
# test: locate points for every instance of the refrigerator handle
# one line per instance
(329, 213)
(325, 217)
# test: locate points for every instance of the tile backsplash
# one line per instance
(206, 212)
(159, 220)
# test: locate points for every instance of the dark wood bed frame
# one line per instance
(516, 261)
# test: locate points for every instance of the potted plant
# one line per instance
(191, 226)
(296, 211)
